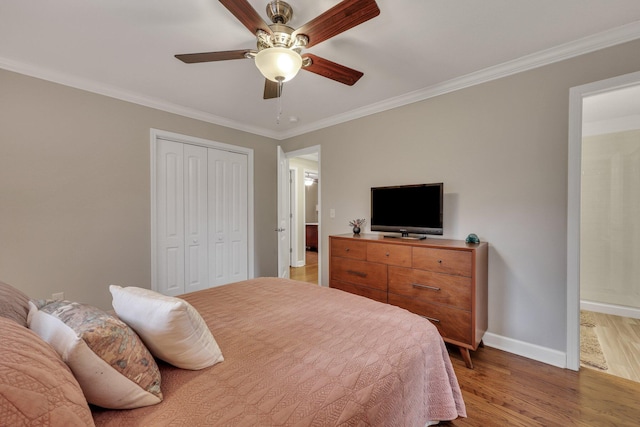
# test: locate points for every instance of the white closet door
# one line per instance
(228, 222)
(195, 218)
(200, 217)
(170, 217)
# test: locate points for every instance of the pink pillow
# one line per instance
(36, 387)
(14, 304)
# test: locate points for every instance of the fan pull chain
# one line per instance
(279, 107)
(279, 110)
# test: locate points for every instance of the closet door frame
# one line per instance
(156, 135)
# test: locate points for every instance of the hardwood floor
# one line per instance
(308, 273)
(508, 390)
(619, 339)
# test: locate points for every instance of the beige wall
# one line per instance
(501, 150)
(311, 203)
(610, 230)
(75, 189)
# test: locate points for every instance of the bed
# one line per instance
(296, 354)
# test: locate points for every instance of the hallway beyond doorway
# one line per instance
(308, 273)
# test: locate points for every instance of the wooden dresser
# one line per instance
(311, 237)
(442, 280)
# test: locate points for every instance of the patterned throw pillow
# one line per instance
(113, 367)
(171, 328)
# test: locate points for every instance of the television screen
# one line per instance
(407, 209)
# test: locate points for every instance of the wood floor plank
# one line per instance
(619, 339)
(504, 389)
(307, 273)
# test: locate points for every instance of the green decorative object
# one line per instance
(472, 238)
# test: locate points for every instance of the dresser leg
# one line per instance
(466, 356)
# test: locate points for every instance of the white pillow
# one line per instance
(171, 328)
(113, 367)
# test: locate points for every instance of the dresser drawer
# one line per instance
(349, 248)
(359, 272)
(389, 254)
(452, 323)
(375, 294)
(443, 261)
(431, 287)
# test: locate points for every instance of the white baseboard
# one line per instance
(616, 310)
(547, 355)
(524, 349)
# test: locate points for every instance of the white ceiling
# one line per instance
(413, 50)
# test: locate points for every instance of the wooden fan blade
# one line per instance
(192, 58)
(271, 89)
(331, 70)
(247, 15)
(343, 16)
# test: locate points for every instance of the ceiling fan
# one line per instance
(278, 55)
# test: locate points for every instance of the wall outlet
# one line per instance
(58, 296)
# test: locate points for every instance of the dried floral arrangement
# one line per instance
(357, 222)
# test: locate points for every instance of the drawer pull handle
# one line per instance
(439, 261)
(387, 254)
(433, 288)
(432, 319)
(357, 273)
(346, 249)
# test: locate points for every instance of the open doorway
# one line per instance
(603, 234)
(305, 240)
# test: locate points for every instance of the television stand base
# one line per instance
(404, 236)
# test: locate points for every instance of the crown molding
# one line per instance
(559, 53)
(572, 49)
(133, 97)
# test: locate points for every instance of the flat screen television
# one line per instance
(407, 209)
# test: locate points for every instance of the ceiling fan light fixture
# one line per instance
(278, 64)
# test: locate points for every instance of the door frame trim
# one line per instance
(293, 218)
(157, 134)
(574, 181)
(298, 153)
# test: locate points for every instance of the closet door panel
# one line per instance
(196, 218)
(217, 219)
(227, 217)
(237, 203)
(170, 217)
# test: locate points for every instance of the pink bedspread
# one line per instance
(297, 354)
